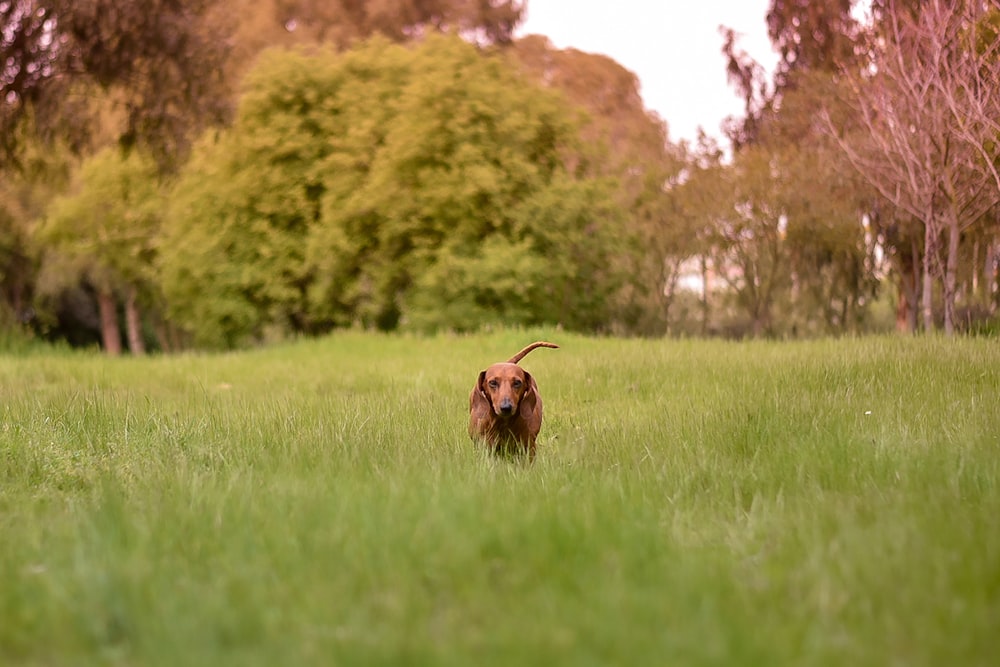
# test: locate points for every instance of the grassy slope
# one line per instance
(829, 502)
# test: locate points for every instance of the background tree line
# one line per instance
(197, 172)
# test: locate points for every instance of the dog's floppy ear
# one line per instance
(479, 405)
(529, 401)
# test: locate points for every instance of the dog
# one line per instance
(505, 409)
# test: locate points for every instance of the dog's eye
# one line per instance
(517, 384)
(493, 384)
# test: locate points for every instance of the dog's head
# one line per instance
(509, 390)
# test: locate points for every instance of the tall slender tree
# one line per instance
(930, 113)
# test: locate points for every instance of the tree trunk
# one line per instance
(902, 311)
(904, 307)
(162, 335)
(762, 319)
(133, 323)
(705, 287)
(669, 281)
(916, 294)
(951, 277)
(990, 276)
(110, 334)
(975, 270)
(930, 251)
(907, 266)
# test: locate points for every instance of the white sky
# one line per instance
(674, 46)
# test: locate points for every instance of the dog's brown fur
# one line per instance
(505, 409)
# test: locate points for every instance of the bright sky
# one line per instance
(674, 46)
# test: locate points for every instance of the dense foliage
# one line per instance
(390, 186)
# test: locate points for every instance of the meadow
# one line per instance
(832, 502)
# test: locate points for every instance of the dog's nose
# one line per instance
(506, 406)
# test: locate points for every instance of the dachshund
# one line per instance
(505, 410)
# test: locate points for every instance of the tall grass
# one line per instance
(700, 503)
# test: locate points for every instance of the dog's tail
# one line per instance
(520, 355)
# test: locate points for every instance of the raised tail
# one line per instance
(520, 355)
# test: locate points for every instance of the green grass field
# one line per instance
(693, 503)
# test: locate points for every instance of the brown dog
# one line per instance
(505, 410)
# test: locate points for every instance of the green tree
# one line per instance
(468, 145)
(831, 254)
(237, 236)
(556, 264)
(16, 266)
(695, 203)
(44, 172)
(669, 215)
(832, 259)
(747, 239)
(104, 235)
(348, 181)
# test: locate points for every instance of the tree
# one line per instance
(677, 215)
(163, 61)
(930, 111)
(747, 239)
(829, 236)
(824, 47)
(629, 144)
(558, 267)
(470, 151)
(104, 234)
(810, 38)
(24, 194)
(258, 25)
(631, 140)
(364, 187)
(344, 23)
(832, 259)
(696, 199)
